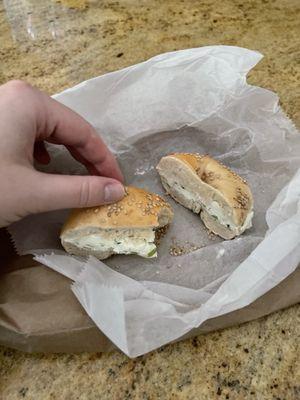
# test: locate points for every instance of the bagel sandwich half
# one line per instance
(221, 197)
(130, 226)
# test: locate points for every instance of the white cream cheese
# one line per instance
(214, 209)
(192, 201)
(139, 241)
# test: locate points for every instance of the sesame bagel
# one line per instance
(125, 227)
(221, 197)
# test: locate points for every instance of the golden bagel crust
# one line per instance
(138, 209)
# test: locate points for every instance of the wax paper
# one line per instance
(194, 100)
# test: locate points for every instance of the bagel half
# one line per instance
(129, 226)
(221, 197)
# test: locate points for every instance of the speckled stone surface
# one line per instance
(258, 360)
(94, 37)
(77, 39)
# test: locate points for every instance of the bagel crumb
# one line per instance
(211, 235)
(160, 233)
(178, 249)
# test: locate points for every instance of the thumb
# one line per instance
(62, 191)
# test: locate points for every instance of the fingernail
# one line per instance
(113, 192)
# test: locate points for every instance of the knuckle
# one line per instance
(18, 87)
(85, 193)
(23, 97)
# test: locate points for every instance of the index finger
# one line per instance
(61, 125)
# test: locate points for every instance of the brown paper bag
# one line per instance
(39, 312)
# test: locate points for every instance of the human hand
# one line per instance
(28, 118)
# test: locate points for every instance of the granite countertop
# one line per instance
(58, 44)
